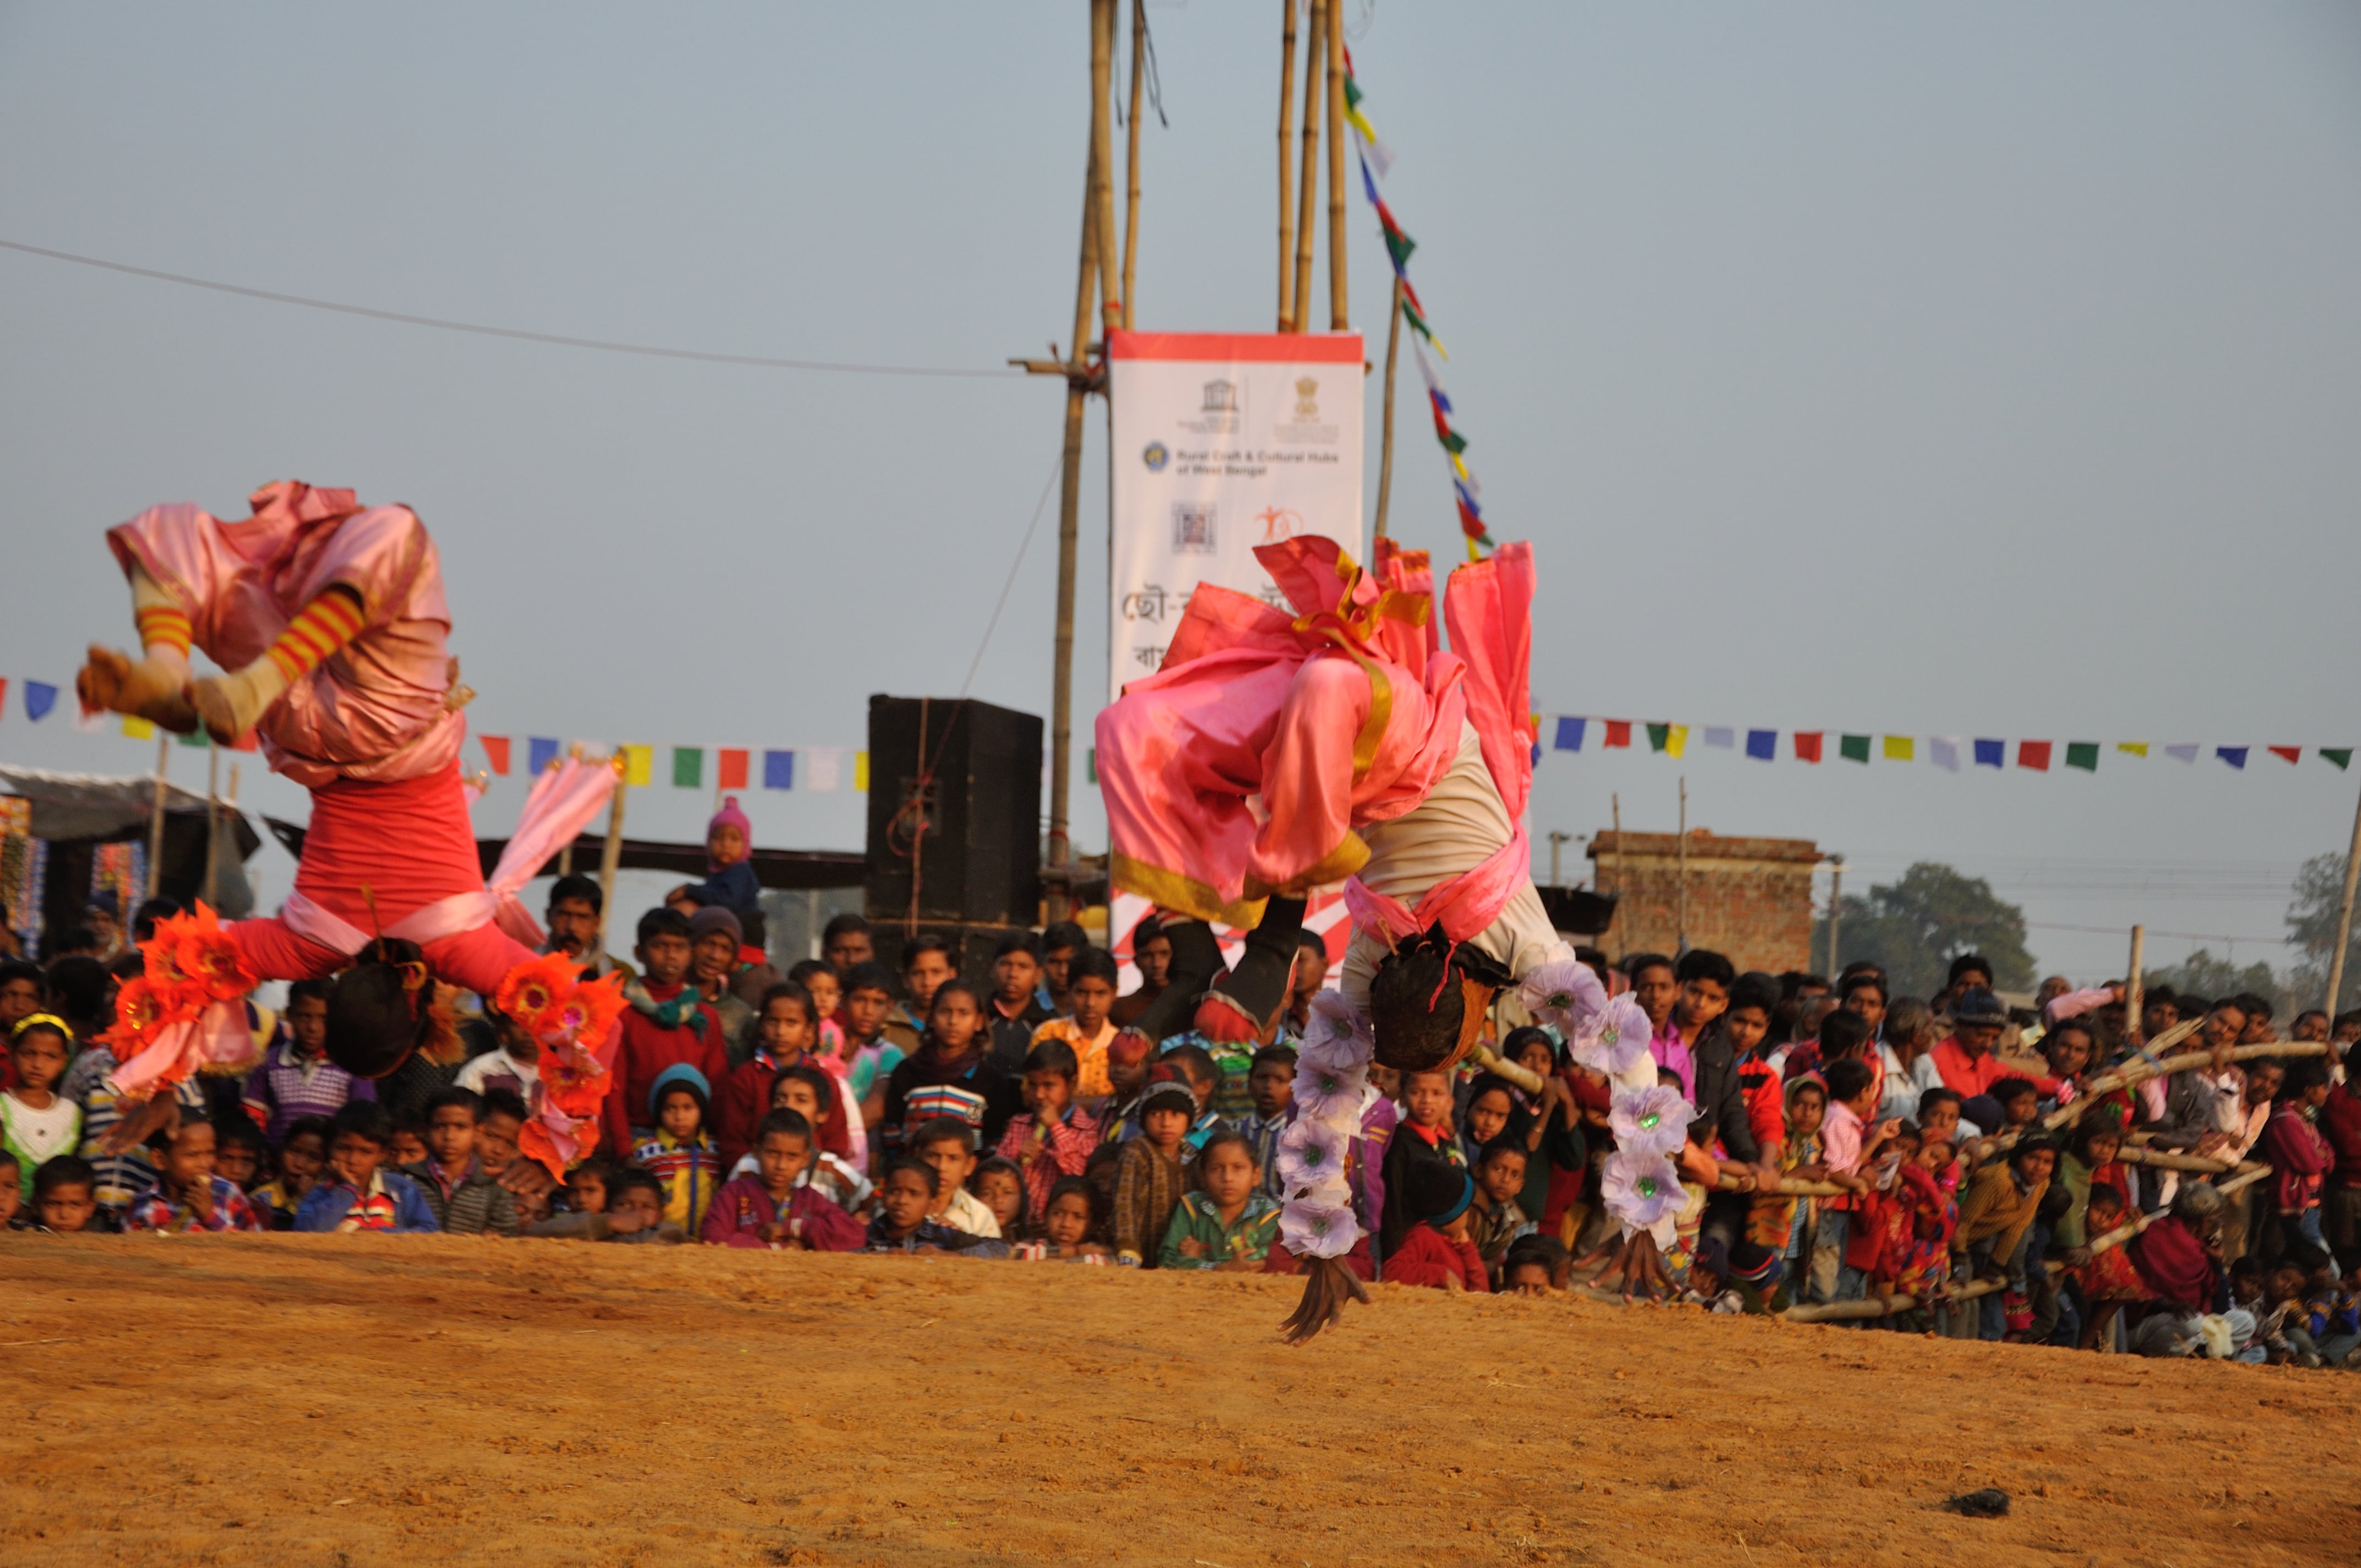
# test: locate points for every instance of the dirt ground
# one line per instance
(364, 1400)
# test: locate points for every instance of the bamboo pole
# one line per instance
(1308, 190)
(156, 813)
(2166, 1159)
(1102, 161)
(1131, 211)
(610, 859)
(1681, 917)
(213, 825)
(1287, 164)
(2134, 992)
(1386, 445)
(1070, 498)
(1836, 910)
(1789, 1186)
(1487, 1059)
(1337, 313)
(2344, 916)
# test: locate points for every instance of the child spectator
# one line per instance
(2105, 1277)
(1496, 1219)
(825, 989)
(1708, 1283)
(21, 996)
(1054, 1138)
(635, 1214)
(904, 1223)
(1434, 1249)
(844, 944)
(1229, 1225)
(1272, 1084)
(870, 1057)
(1939, 1117)
(37, 1123)
(1422, 1137)
(296, 1078)
(1782, 1225)
(1535, 1266)
(774, 1206)
(65, 1195)
(789, 1030)
(1150, 1177)
(241, 1155)
(1089, 1028)
(587, 1184)
(358, 1193)
(1197, 1067)
(729, 881)
(466, 1201)
(1996, 1220)
(680, 1156)
(1063, 941)
(2019, 1101)
(514, 1063)
(951, 1074)
(1848, 1146)
(1013, 1011)
(1069, 1227)
(497, 1134)
(302, 1158)
(2300, 1156)
(999, 1184)
(1151, 954)
(668, 1021)
(1129, 1058)
(188, 1196)
(946, 1146)
(715, 943)
(13, 1195)
(928, 961)
(799, 1088)
(405, 1141)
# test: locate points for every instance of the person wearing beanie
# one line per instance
(1436, 1250)
(730, 881)
(715, 936)
(681, 1156)
(1150, 1177)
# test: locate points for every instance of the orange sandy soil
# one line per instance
(366, 1400)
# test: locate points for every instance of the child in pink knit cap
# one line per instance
(729, 849)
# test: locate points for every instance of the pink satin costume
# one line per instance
(1342, 715)
(367, 731)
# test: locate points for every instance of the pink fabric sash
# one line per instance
(1488, 607)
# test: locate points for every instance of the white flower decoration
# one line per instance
(1563, 992)
(1309, 1227)
(1328, 1092)
(1612, 1040)
(1311, 1153)
(1641, 1188)
(1338, 1035)
(1654, 1120)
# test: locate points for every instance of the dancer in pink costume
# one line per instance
(330, 620)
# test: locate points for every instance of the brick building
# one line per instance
(1748, 898)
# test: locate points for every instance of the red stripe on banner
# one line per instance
(1807, 745)
(732, 769)
(2034, 755)
(496, 749)
(1239, 347)
(1619, 731)
(2290, 752)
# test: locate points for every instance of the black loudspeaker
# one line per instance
(954, 821)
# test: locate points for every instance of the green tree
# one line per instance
(1918, 926)
(2312, 921)
(2202, 975)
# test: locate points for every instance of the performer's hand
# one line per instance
(157, 1112)
(528, 1178)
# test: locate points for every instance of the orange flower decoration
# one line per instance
(532, 989)
(200, 948)
(575, 1082)
(587, 1015)
(535, 1142)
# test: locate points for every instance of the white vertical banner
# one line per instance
(1221, 442)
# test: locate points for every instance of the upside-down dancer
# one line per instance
(329, 621)
(1377, 756)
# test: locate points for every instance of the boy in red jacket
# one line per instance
(771, 1208)
(1436, 1250)
(668, 1022)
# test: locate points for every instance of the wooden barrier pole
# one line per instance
(1337, 315)
(1286, 164)
(610, 859)
(2344, 916)
(156, 815)
(1385, 445)
(1308, 190)
(1131, 211)
(2134, 992)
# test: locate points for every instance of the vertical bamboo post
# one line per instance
(1680, 861)
(1836, 908)
(610, 859)
(2344, 915)
(1131, 212)
(1285, 163)
(1386, 445)
(1069, 497)
(1103, 160)
(164, 766)
(213, 825)
(1337, 314)
(2134, 992)
(1308, 190)
(1614, 805)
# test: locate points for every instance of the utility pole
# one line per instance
(1681, 924)
(2344, 916)
(1287, 165)
(1836, 909)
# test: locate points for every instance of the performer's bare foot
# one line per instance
(151, 689)
(230, 706)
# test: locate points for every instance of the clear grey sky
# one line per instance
(1988, 369)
